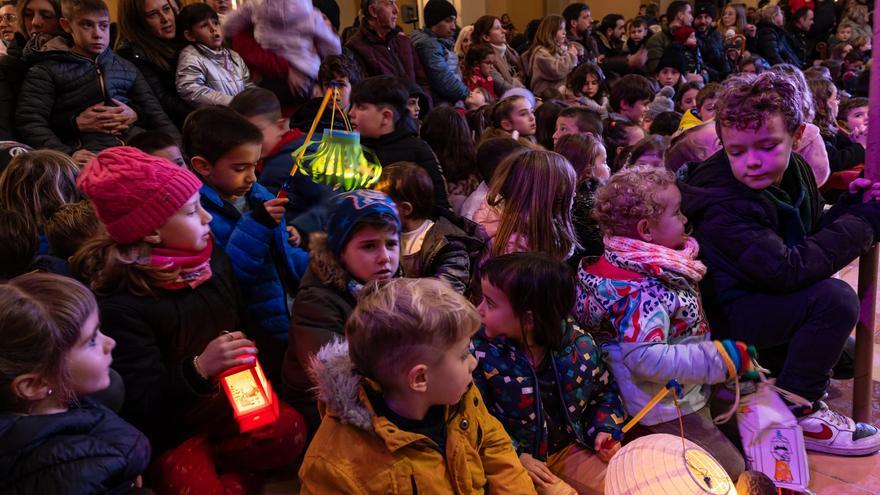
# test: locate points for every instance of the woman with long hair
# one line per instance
(508, 66)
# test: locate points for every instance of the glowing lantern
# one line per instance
(664, 464)
(254, 403)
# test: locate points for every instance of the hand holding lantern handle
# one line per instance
(224, 352)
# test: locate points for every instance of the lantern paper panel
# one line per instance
(253, 401)
(340, 161)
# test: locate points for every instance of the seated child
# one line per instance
(479, 63)
(670, 71)
(430, 245)
(477, 98)
(66, 231)
(361, 245)
(306, 200)
(686, 38)
(587, 156)
(649, 152)
(704, 111)
(579, 121)
(19, 244)
(490, 154)
(172, 304)
(158, 144)
(378, 112)
(585, 86)
(247, 221)
(845, 151)
(543, 377)
(402, 411)
(852, 118)
(664, 101)
(637, 36)
(207, 72)
(629, 98)
(665, 124)
(767, 244)
(54, 439)
(513, 117)
(63, 86)
(335, 70)
(620, 135)
(686, 97)
(691, 147)
(642, 299)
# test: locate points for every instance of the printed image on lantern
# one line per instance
(663, 464)
(253, 401)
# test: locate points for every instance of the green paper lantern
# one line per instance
(340, 161)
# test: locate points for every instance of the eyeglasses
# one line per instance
(10, 18)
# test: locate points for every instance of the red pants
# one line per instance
(226, 462)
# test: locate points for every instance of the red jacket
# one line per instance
(478, 80)
(393, 56)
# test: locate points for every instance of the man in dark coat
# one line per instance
(798, 29)
(710, 42)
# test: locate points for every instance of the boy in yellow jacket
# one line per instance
(401, 414)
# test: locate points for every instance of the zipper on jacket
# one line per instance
(103, 84)
(412, 483)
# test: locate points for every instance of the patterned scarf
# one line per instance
(195, 268)
(658, 258)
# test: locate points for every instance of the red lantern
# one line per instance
(253, 400)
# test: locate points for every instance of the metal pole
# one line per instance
(862, 383)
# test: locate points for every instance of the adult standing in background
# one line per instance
(434, 46)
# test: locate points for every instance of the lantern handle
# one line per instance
(327, 96)
(670, 385)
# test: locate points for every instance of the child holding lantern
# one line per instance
(170, 301)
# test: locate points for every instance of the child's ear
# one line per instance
(153, 238)
(799, 133)
(189, 36)
(65, 24)
(388, 116)
(30, 387)
(507, 125)
(643, 230)
(405, 208)
(283, 124)
(201, 166)
(417, 378)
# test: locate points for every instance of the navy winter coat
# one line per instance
(441, 66)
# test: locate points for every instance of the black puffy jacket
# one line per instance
(86, 450)
(60, 85)
(161, 81)
(773, 44)
(715, 61)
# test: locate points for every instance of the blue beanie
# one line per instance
(349, 208)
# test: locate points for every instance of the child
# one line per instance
(306, 200)
(70, 227)
(430, 245)
(587, 156)
(402, 414)
(844, 151)
(477, 98)
(686, 98)
(447, 133)
(336, 71)
(490, 154)
(528, 207)
(782, 253)
(686, 37)
(665, 124)
(692, 146)
(642, 297)
(852, 117)
(543, 377)
(171, 303)
(545, 122)
(671, 67)
(577, 120)
(509, 115)
(361, 245)
(619, 136)
(707, 97)
(550, 57)
(664, 101)
(56, 105)
(378, 112)
(247, 221)
(649, 152)
(630, 97)
(843, 35)
(207, 73)
(585, 86)
(158, 144)
(638, 35)
(53, 355)
(36, 184)
(19, 244)
(479, 63)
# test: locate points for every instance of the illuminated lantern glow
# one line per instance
(253, 401)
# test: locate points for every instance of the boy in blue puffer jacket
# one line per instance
(247, 219)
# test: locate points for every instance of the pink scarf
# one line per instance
(195, 268)
(659, 258)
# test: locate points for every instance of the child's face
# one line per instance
(90, 32)
(691, 42)
(474, 100)
(758, 158)
(844, 33)
(369, 120)
(522, 118)
(371, 254)
(273, 131)
(668, 77)
(637, 33)
(749, 69)
(188, 229)
(601, 172)
(89, 360)
(344, 91)
(234, 174)
(487, 65)
(689, 99)
(449, 379)
(634, 134)
(857, 118)
(707, 110)
(866, 46)
(650, 159)
(635, 112)
(564, 127)
(668, 230)
(172, 154)
(207, 33)
(834, 103)
(497, 314)
(591, 86)
(413, 106)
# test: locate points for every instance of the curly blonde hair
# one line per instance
(633, 194)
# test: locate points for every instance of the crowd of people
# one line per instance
(567, 218)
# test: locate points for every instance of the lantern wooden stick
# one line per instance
(672, 384)
(327, 96)
(862, 382)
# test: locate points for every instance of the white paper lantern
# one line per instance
(661, 465)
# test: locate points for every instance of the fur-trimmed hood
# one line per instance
(338, 385)
(324, 264)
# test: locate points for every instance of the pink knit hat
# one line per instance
(135, 193)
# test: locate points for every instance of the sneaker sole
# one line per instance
(847, 453)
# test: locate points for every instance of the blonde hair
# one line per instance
(631, 195)
(768, 14)
(400, 322)
(70, 226)
(739, 24)
(464, 34)
(537, 189)
(546, 35)
(36, 184)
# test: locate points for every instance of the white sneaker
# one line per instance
(833, 433)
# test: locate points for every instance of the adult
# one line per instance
(8, 24)
(381, 48)
(798, 28)
(508, 65)
(578, 24)
(773, 43)
(613, 56)
(434, 46)
(550, 58)
(147, 38)
(710, 42)
(464, 42)
(679, 13)
(9, 70)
